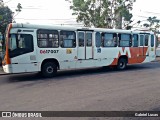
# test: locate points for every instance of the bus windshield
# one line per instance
(20, 44)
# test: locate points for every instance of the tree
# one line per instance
(103, 13)
(7, 16)
(153, 24)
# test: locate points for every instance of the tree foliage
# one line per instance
(7, 16)
(153, 24)
(103, 13)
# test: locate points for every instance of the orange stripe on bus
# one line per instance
(138, 55)
(7, 58)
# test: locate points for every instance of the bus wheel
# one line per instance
(122, 64)
(49, 69)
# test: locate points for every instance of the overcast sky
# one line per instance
(58, 12)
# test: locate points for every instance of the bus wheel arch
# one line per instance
(49, 67)
(122, 62)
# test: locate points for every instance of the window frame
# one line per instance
(100, 39)
(133, 41)
(112, 41)
(73, 40)
(47, 38)
(130, 39)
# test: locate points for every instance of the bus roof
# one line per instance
(35, 26)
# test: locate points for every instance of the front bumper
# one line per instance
(7, 68)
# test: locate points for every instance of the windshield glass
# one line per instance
(12, 44)
(20, 44)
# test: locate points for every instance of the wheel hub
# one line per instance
(49, 69)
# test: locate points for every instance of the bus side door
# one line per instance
(141, 46)
(85, 43)
(152, 53)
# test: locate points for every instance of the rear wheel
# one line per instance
(49, 69)
(122, 64)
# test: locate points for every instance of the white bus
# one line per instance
(46, 49)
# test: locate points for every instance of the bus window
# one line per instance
(146, 40)
(26, 42)
(13, 42)
(135, 40)
(47, 38)
(53, 39)
(109, 39)
(20, 44)
(124, 40)
(89, 39)
(68, 39)
(141, 40)
(152, 40)
(98, 39)
(81, 39)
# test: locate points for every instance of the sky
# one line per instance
(55, 12)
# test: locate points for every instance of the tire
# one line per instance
(49, 69)
(122, 64)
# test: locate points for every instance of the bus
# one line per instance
(47, 49)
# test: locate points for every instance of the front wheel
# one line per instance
(122, 64)
(49, 69)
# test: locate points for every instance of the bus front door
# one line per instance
(85, 49)
(141, 47)
(152, 49)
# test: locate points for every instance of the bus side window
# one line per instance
(102, 39)
(135, 40)
(47, 38)
(26, 42)
(115, 39)
(98, 39)
(68, 39)
(124, 40)
(109, 39)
